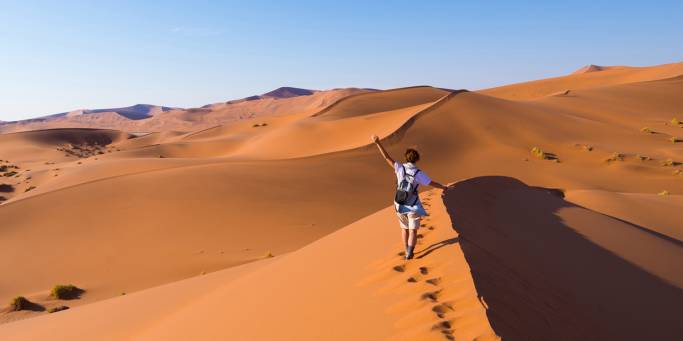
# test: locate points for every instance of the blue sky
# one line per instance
(60, 56)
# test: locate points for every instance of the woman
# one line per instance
(408, 206)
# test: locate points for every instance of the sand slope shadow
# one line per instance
(542, 280)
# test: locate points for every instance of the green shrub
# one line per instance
(19, 303)
(676, 122)
(66, 292)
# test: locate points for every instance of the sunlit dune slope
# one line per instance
(289, 102)
(353, 275)
(605, 76)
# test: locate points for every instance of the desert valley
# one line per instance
(270, 217)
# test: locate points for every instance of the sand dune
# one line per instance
(585, 79)
(550, 270)
(146, 118)
(425, 299)
(127, 211)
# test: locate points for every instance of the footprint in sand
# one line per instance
(432, 296)
(442, 309)
(424, 270)
(445, 327)
(399, 268)
(433, 281)
(411, 280)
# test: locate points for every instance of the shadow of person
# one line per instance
(431, 248)
(543, 279)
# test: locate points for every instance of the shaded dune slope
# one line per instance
(551, 270)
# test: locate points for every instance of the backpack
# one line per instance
(406, 191)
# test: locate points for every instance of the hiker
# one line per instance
(407, 200)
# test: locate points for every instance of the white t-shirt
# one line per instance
(421, 178)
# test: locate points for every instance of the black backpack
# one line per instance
(406, 191)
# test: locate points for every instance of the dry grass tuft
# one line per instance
(66, 292)
(19, 303)
(663, 193)
(615, 157)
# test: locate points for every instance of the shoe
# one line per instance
(409, 255)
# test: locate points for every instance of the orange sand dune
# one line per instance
(302, 295)
(551, 270)
(190, 119)
(584, 80)
(167, 206)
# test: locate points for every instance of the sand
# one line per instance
(578, 241)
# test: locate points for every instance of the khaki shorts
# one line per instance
(409, 221)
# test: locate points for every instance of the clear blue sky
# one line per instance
(59, 56)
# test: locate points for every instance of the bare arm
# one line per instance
(384, 153)
(438, 185)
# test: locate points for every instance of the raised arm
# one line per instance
(384, 153)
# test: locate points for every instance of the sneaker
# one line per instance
(409, 255)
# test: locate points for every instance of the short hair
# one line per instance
(412, 155)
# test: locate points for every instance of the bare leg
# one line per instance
(412, 238)
(404, 235)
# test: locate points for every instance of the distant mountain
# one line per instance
(589, 68)
(134, 112)
(146, 117)
(287, 92)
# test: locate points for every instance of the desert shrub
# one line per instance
(616, 157)
(19, 303)
(643, 158)
(538, 152)
(57, 308)
(264, 124)
(268, 255)
(663, 193)
(676, 122)
(667, 163)
(65, 292)
(646, 130)
(677, 172)
(30, 188)
(9, 174)
(675, 139)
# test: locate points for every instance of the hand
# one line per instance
(374, 138)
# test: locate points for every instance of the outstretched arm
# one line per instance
(384, 153)
(438, 185)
